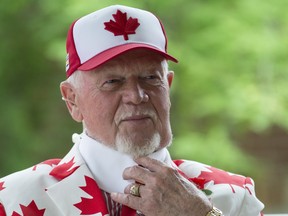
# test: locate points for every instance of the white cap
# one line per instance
(104, 34)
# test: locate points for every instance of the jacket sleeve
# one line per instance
(250, 204)
(234, 200)
(233, 194)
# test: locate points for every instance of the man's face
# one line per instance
(125, 103)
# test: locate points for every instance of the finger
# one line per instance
(129, 187)
(139, 174)
(127, 199)
(151, 164)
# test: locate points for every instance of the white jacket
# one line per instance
(67, 188)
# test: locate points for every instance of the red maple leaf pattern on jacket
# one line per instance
(30, 210)
(199, 182)
(2, 186)
(2, 210)
(122, 25)
(63, 170)
(49, 162)
(92, 205)
(221, 177)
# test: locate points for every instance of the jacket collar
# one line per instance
(72, 193)
(75, 177)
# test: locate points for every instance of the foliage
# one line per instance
(231, 77)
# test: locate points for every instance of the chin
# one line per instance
(128, 146)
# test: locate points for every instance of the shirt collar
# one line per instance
(107, 165)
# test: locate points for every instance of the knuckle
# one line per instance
(168, 171)
(155, 180)
(131, 171)
(127, 200)
(134, 169)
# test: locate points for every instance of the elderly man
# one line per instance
(118, 87)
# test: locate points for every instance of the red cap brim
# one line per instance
(115, 51)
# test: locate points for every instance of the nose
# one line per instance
(134, 93)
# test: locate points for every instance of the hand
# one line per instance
(163, 191)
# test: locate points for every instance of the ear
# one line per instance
(70, 97)
(170, 77)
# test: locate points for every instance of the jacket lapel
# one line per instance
(76, 192)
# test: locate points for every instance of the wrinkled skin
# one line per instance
(135, 83)
(163, 191)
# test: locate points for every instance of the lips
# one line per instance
(137, 117)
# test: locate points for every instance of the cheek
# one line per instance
(99, 121)
(102, 111)
(162, 108)
(99, 111)
(161, 102)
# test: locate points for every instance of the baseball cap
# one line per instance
(106, 33)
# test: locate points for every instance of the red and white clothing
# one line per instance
(80, 184)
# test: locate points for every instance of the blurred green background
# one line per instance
(229, 96)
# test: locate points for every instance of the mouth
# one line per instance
(136, 118)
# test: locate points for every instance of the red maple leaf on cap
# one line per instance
(30, 210)
(122, 25)
(221, 177)
(92, 205)
(63, 170)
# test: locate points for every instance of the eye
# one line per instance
(152, 79)
(112, 81)
(111, 84)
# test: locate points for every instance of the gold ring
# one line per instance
(134, 190)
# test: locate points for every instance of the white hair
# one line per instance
(76, 79)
